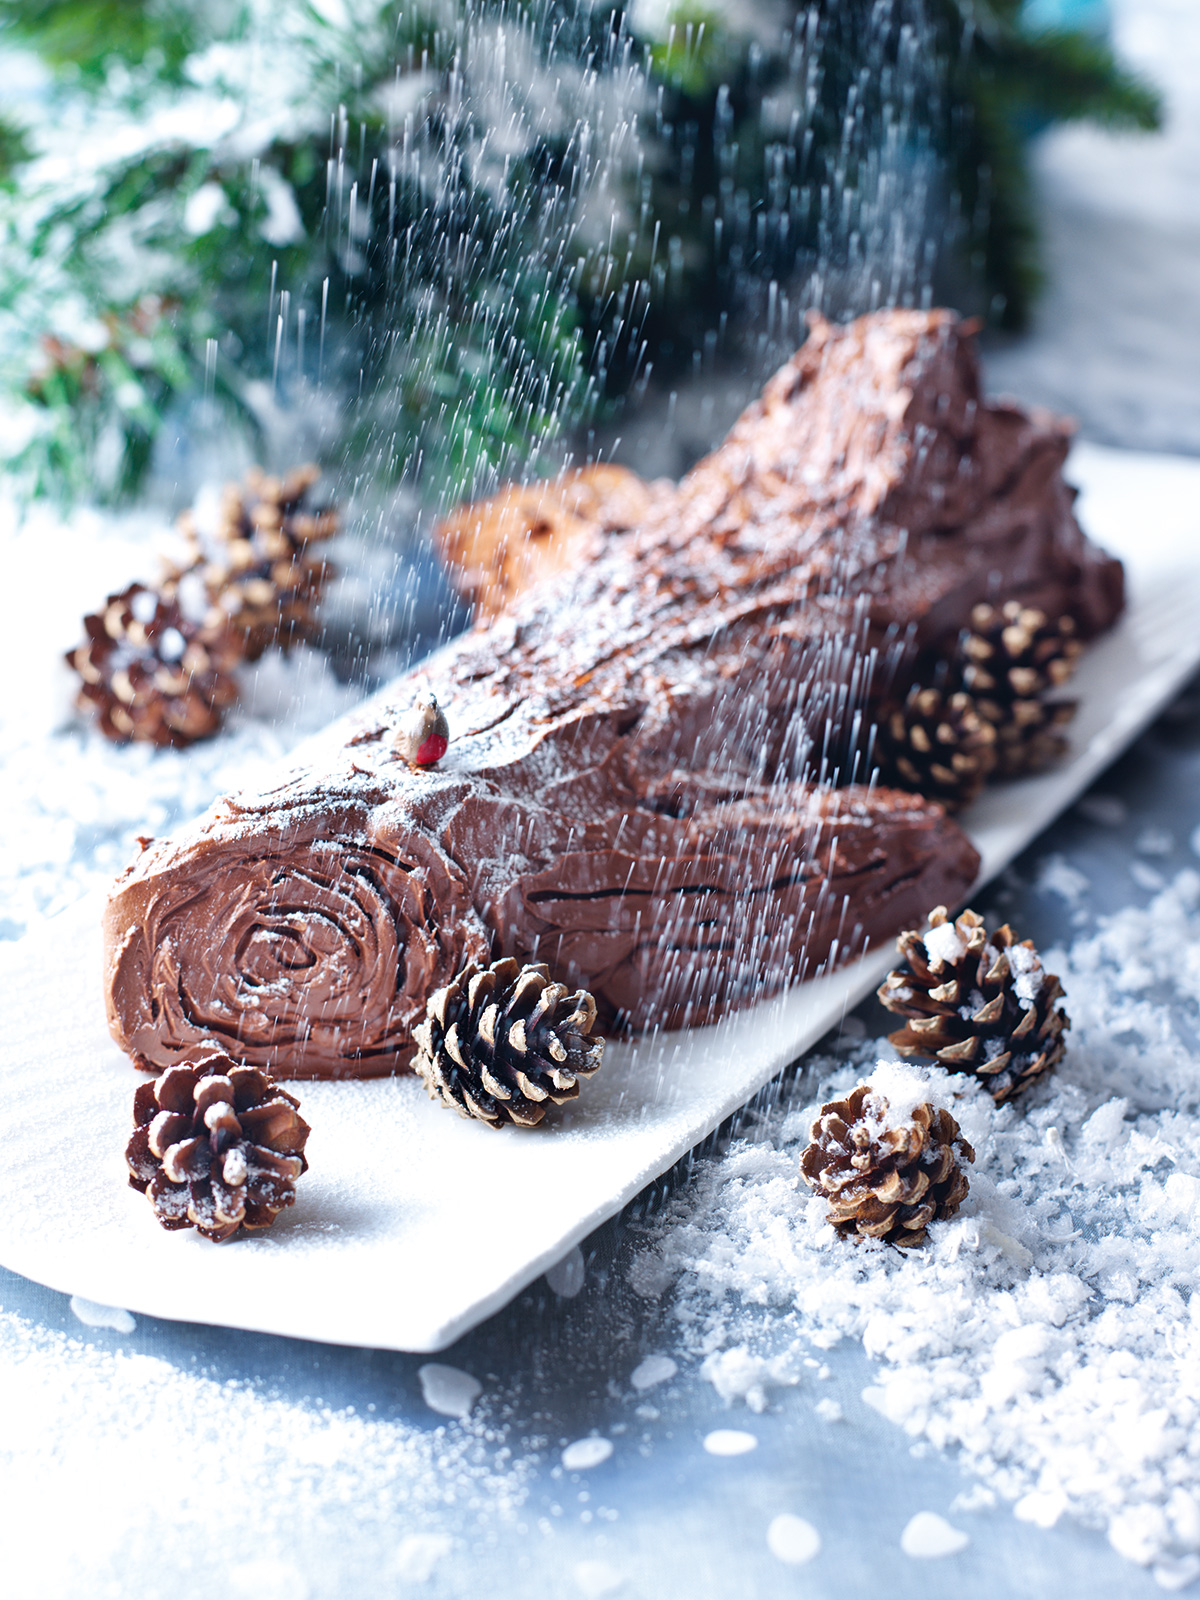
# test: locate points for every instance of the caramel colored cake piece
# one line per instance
(497, 549)
(629, 794)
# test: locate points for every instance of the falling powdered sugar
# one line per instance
(1049, 1333)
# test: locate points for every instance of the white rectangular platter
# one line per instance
(413, 1225)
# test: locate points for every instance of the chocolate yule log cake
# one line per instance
(642, 784)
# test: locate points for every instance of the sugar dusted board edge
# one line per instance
(413, 1226)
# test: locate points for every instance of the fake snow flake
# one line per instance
(419, 1554)
(96, 1315)
(1047, 1334)
(792, 1540)
(585, 1454)
(927, 1537)
(729, 1442)
(596, 1578)
(448, 1390)
(738, 1375)
(651, 1372)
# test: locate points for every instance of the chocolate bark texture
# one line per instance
(637, 789)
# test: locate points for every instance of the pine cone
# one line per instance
(977, 1003)
(258, 573)
(1014, 660)
(501, 1043)
(153, 674)
(937, 745)
(886, 1177)
(216, 1146)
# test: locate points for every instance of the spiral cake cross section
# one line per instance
(313, 954)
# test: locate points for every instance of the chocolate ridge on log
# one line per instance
(629, 793)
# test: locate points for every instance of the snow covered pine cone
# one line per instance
(887, 1173)
(258, 573)
(1013, 662)
(154, 675)
(502, 1043)
(216, 1146)
(977, 1003)
(938, 745)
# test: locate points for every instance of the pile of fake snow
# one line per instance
(1049, 1333)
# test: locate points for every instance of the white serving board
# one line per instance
(413, 1225)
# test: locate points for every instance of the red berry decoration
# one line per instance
(423, 737)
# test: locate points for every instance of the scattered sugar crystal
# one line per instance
(1154, 842)
(268, 1579)
(568, 1276)
(585, 1454)
(448, 1390)
(419, 1554)
(793, 1540)
(96, 1315)
(596, 1578)
(943, 944)
(977, 1498)
(927, 1537)
(1027, 974)
(729, 1442)
(652, 1371)
(1057, 876)
(1106, 809)
(1048, 1334)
